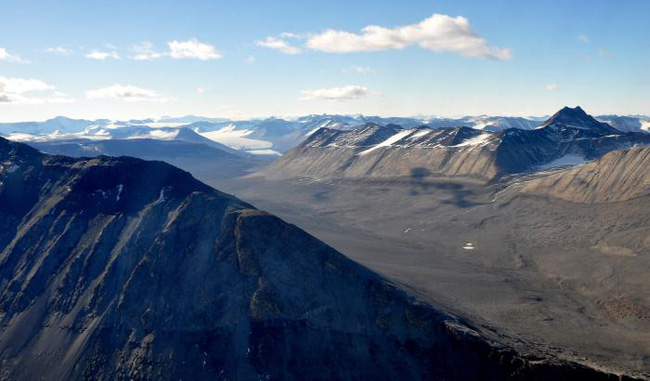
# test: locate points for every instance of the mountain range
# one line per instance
(267, 136)
(119, 268)
(571, 136)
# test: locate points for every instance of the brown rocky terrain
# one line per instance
(618, 176)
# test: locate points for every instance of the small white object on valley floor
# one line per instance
(469, 246)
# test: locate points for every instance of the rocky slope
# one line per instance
(118, 268)
(618, 176)
(375, 151)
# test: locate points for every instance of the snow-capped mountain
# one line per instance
(636, 123)
(483, 122)
(568, 137)
(270, 136)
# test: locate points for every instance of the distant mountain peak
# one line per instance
(577, 118)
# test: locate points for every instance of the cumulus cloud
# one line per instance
(438, 33)
(61, 50)
(21, 91)
(5, 56)
(552, 86)
(193, 49)
(278, 44)
(99, 55)
(128, 93)
(339, 93)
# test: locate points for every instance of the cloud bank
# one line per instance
(343, 93)
(438, 33)
(127, 93)
(21, 91)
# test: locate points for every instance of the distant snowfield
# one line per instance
(236, 139)
(645, 125)
(566, 160)
(22, 137)
(161, 124)
(157, 134)
(264, 152)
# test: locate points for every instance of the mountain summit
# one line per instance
(577, 118)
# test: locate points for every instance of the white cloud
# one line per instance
(339, 93)
(193, 49)
(250, 59)
(358, 69)
(20, 91)
(98, 55)
(178, 50)
(5, 56)
(438, 33)
(145, 52)
(61, 50)
(293, 35)
(603, 53)
(200, 90)
(278, 44)
(128, 93)
(583, 38)
(552, 86)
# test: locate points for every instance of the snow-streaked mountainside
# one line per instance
(123, 269)
(570, 136)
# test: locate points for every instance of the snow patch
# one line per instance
(236, 139)
(479, 140)
(566, 160)
(164, 135)
(264, 152)
(310, 133)
(645, 125)
(120, 188)
(161, 198)
(420, 134)
(388, 142)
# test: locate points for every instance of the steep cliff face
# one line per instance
(118, 268)
(459, 151)
(618, 176)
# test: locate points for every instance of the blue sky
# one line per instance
(284, 58)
